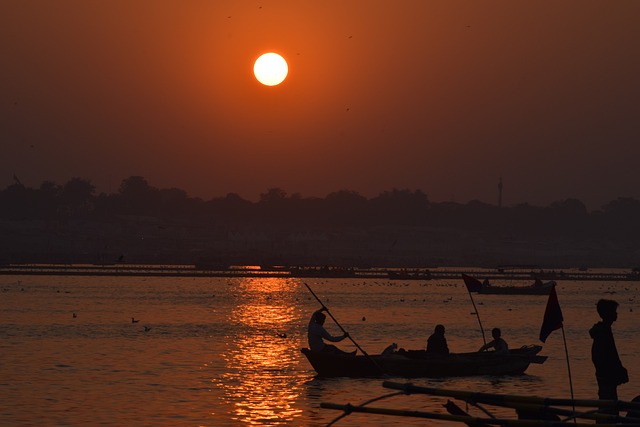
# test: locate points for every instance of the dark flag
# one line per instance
(473, 284)
(552, 316)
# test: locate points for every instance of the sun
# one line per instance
(270, 69)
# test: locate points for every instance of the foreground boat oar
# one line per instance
(509, 400)
(469, 420)
(542, 412)
(530, 411)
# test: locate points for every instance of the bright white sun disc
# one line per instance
(270, 69)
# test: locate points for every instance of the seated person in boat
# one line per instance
(498, 344)
(437, 343)
(316, 334)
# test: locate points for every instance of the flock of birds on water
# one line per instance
(146, 328)
(608, 289)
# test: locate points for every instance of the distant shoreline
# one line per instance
(151, 270)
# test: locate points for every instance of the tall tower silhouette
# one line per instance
(500, 192)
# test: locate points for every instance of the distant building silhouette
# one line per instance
(398, 228)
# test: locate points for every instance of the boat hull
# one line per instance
(419, 364)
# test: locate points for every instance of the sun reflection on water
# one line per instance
(260, 383)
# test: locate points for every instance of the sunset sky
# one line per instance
(439, 96)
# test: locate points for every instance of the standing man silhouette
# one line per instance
(609, 370)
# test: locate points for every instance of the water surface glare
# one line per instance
(226, 352)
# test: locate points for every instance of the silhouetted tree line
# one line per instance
(616, 221)
(78, 199)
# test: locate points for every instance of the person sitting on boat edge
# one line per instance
(437, 342)
(316, 334)
(498, 344)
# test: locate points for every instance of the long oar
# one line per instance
(509, 399)
(343, 330)
(569, 414)
(469, 420)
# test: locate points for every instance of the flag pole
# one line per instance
(484, 340)
(566, 352)
(551, 321)
(469, 283)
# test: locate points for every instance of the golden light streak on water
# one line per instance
(258, 382)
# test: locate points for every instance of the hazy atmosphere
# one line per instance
(190, 189)
(441, 97)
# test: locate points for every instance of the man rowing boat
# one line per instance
(316, 334)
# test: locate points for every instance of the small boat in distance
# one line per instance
(536, 288)
(420, 364)
(325, 271)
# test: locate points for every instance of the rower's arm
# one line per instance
(327, 336)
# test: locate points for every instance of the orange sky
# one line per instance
(441, 96)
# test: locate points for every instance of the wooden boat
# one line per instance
(419, 363)
(537, 288)
(530, 411)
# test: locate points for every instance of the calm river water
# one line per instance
(226, 352)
